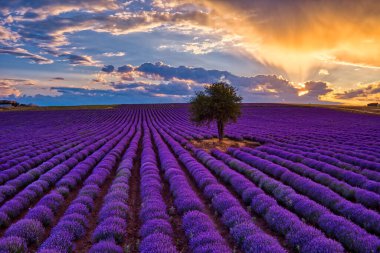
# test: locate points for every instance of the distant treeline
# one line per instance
(13, 103)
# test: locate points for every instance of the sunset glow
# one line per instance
(109, 51)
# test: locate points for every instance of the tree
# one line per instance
(218, 103)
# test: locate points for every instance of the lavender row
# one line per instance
(35, 155)
(228, 207)
(63, 162)
(300, 236)
(58, 162)
(51, 150)
(350, 235)
(110, 232)
(341, 170)
(29, 231)
(198, 227)
(73, 224)
(366, 198)
(40, 135)
(339, 154)
(367, 219)
(156, 231)
(46, 149)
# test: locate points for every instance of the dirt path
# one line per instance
(258, 221)
(209, 210)
(85, 243)
(208, 144)
(179, 237)
(72, 195)
(134, 204)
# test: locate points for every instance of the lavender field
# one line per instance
(131, 179)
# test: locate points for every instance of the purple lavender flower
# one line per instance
(114, 209)
(30, 230)
(13, 244)
(77, 208)
(110, 228)
(158, 243)
(53, 201)
(42, 214)
(106, 247)
(154, 226)
(60, 241)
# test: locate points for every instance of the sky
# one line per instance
(75, 52)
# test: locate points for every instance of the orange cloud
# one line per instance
(298, 36)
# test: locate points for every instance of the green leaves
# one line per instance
(218, 102)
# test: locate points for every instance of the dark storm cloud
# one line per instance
(58, 78)
(108, 68)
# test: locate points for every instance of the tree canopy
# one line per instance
(218, 103)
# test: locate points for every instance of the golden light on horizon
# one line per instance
(272, 50)
(299, 36)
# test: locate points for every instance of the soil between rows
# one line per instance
(208, 144)
(179, 237)
(85, 243)
(134, 203)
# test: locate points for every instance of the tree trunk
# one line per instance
(220, 125)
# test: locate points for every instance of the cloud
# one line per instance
(127, 73)
(10, 86)
(177, 87)
(369, 92)
(275, 85)
(315, 89)
(84, 60)
(58, 78)
(7, 37)
(6, 90)
(51, 32)
(162, 78)
(110, 54)
(108, 68)
(323, 72)
(23, 53)
(125, 69)
(204, 43)
(81, 96)
(167, 72)
(298, 36)
(160, 82)
(43, 8)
